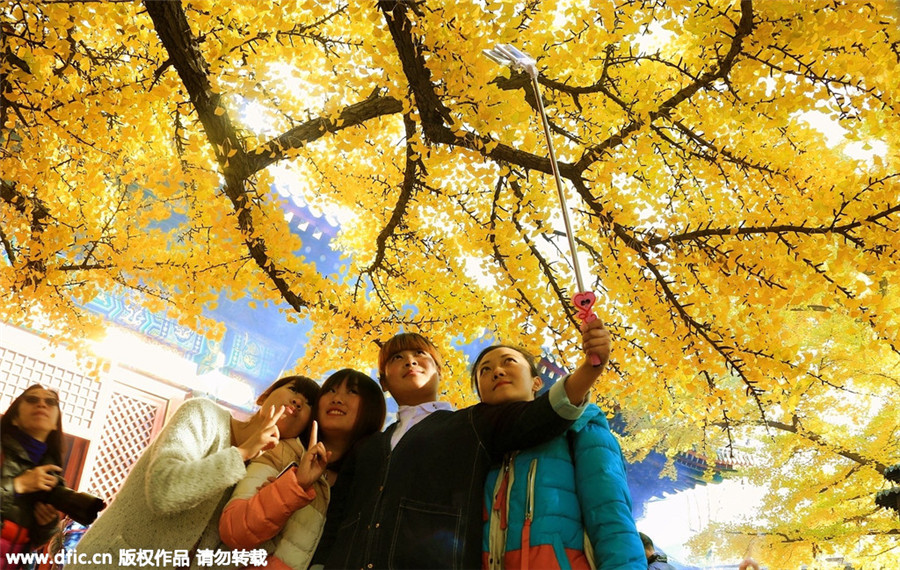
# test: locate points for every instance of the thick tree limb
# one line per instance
(236, 163)
(431, 109)
(172, 27)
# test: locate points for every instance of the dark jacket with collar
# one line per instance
(20, 508)
(420, 505)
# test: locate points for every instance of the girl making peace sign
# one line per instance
(172, 498)
(287, 516)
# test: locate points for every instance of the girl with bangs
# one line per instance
(174, 494)
(411, 496)
(286, 516)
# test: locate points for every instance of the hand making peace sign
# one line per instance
(314, 461)
(263, 432)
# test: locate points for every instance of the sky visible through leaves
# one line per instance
(745, 257)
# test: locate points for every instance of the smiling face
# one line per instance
(38, 413)
(338, 410)
(505, 375)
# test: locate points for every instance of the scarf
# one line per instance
(33, 447)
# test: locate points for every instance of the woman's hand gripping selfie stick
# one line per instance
(507, 55)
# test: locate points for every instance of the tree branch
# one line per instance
(410, 175)
(797, 428)
(744, 28)
(351, 116)
(843, 230)
(171, 25)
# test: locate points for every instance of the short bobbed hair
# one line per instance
(406, 341)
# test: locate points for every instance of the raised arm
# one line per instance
(519, 425)
(258, 511)
(595, 340)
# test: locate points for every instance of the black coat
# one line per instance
(20, 508)
(420, 505)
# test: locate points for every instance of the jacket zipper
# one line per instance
(499, 517)
(529, 514)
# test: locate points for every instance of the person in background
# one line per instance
(655, 560)
(175, 492)
(32, 439)
(286, 517)
(561, 504)
(411, 496)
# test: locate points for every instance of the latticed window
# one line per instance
(77, 393)
(127, 431)
(119, 421)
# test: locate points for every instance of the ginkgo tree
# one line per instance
(732, 166)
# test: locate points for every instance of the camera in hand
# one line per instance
(80, 507)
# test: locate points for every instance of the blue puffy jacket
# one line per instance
(541, 502)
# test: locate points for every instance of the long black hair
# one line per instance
(372, 410)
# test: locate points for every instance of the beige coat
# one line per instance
(280, 517)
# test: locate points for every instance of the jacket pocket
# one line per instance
(426, 536)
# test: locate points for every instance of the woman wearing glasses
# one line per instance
(32, 435)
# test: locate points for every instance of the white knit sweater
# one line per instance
(175, 493)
